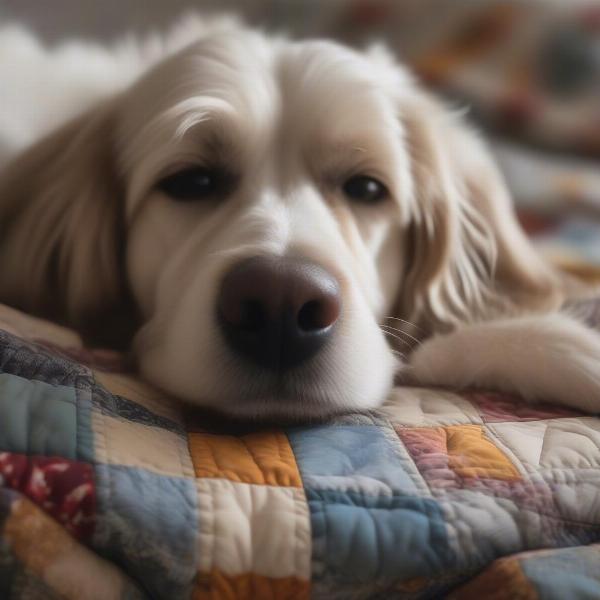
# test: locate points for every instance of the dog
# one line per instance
(283, 229)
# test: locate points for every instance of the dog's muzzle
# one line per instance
(278, 312)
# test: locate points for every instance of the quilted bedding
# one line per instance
(111, 491)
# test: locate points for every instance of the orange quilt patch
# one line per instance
(261, 458)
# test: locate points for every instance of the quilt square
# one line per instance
(263, 458)
(447, 455)
(327, 461)
(503, 579)
(148, 524)
(568, 573)
(422, 407)
(499, 408)
(216, 585)
(253, 529)
(577, 498)
(43, 419)
(553, 444)
(572, 443)
(359, 538)
(64, 489)
(69, 569)
(130, 444)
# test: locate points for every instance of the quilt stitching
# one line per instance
(525, 499)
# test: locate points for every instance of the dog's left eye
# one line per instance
(361, 188)
(196, 183)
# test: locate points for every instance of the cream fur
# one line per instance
(86, 235)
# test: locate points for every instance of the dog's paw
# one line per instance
(446, 360)
(549, 358)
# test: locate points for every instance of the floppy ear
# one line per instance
(468, 258)
(61, 226)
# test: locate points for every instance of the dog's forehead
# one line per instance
(259, 75)
(233, 67)
(255, 94)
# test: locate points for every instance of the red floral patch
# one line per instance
(64, 489)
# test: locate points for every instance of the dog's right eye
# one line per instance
(364, 189)
(196, 183)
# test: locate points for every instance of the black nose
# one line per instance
(278, 312)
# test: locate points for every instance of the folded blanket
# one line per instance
(110, 490)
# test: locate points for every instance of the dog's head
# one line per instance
(268, 205)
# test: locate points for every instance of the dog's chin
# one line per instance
(235, 388)
(280, 410)
(276, 401)
(274, 405)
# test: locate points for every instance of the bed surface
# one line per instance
(112, 491)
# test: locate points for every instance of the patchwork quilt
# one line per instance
(109, 490)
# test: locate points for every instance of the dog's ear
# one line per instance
(61, 225)
(468, 257)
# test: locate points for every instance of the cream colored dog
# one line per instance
(273, 217)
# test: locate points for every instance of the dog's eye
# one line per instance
(196, 183)
(365, 189)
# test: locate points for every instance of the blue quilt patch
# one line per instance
(327, 459)
(147, 524)
(38, 418)
(362, 538)
(570, 573)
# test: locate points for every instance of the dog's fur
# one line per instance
(86, 234)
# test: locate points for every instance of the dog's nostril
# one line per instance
(309, 317)
(317, 315)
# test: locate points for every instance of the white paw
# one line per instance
(441, 361)
(548, 358)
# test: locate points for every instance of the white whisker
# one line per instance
(404, 321)
(394, 329)
(396, 337)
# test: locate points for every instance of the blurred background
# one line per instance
(527, 72)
